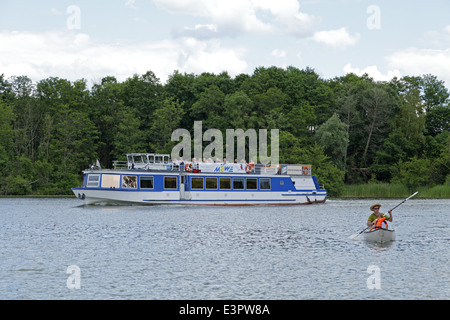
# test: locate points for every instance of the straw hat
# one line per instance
(375, 205)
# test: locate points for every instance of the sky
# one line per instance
(93, 39)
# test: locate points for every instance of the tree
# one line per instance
(53, 129)
(327, 173)
(349, 92)
(410, 118)
(6, 143)
(27, 116)
(6, 93)
(291, 149)
(143, 94)
(106, 102)
(441, 163)
(128, 136)
(414, 173)
(434, 92)
(263, 79)
(166, 119)
(333, 137)
(238, 109)
(350, 115)
(209, 108)
(376, 108)
(437, 120)
(7, 118)
(394, 149)
(181, 87)
(72, 148)
(271, 107)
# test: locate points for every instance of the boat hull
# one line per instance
(156, 187)
(209, 199)
(379, 235)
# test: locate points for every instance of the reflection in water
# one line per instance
(380, 246)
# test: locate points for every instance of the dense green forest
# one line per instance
(352, 129)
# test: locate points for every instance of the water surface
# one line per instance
(184, 252)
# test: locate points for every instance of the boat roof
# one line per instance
(163, 162)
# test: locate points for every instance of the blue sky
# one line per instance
(92, 39)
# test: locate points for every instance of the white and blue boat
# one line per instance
(148, 178)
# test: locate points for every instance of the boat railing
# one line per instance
(125, 165)
(275, 169)
(120, 165)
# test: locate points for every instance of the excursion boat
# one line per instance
(148, 178)
(379, 235)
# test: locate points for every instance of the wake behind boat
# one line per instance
(148, 178)
(379, 235)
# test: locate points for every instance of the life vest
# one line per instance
(379, 223)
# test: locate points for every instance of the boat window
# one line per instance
(110, 181)
(252, 183)
(238, 183)
(129, 182)
(138, 159)
(146, 182)
(225, 183)
(264, 183)
(93, 181)
(211, 183)
(170, 182)
(197, 183)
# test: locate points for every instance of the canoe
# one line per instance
(379, 235)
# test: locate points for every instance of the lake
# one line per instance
(60, 249)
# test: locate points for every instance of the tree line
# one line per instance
(352, 129)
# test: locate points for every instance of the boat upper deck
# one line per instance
(162, 162)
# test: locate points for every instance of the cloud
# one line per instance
(436, 38)
(74, 56)
(200, 31)
(130, 4)
(410, 62)
(373, 72)
(339, 38)
(200, 56)
(415, 61)
(236, 17)
(279, 53)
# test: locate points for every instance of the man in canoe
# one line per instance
(378, 216)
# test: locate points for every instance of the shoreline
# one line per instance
(342, 197)
(355, 191)
(38, 196)
(390, 191)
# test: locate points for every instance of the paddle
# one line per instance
(356, 235)
(406, 199)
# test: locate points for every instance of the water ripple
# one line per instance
(178, 252)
